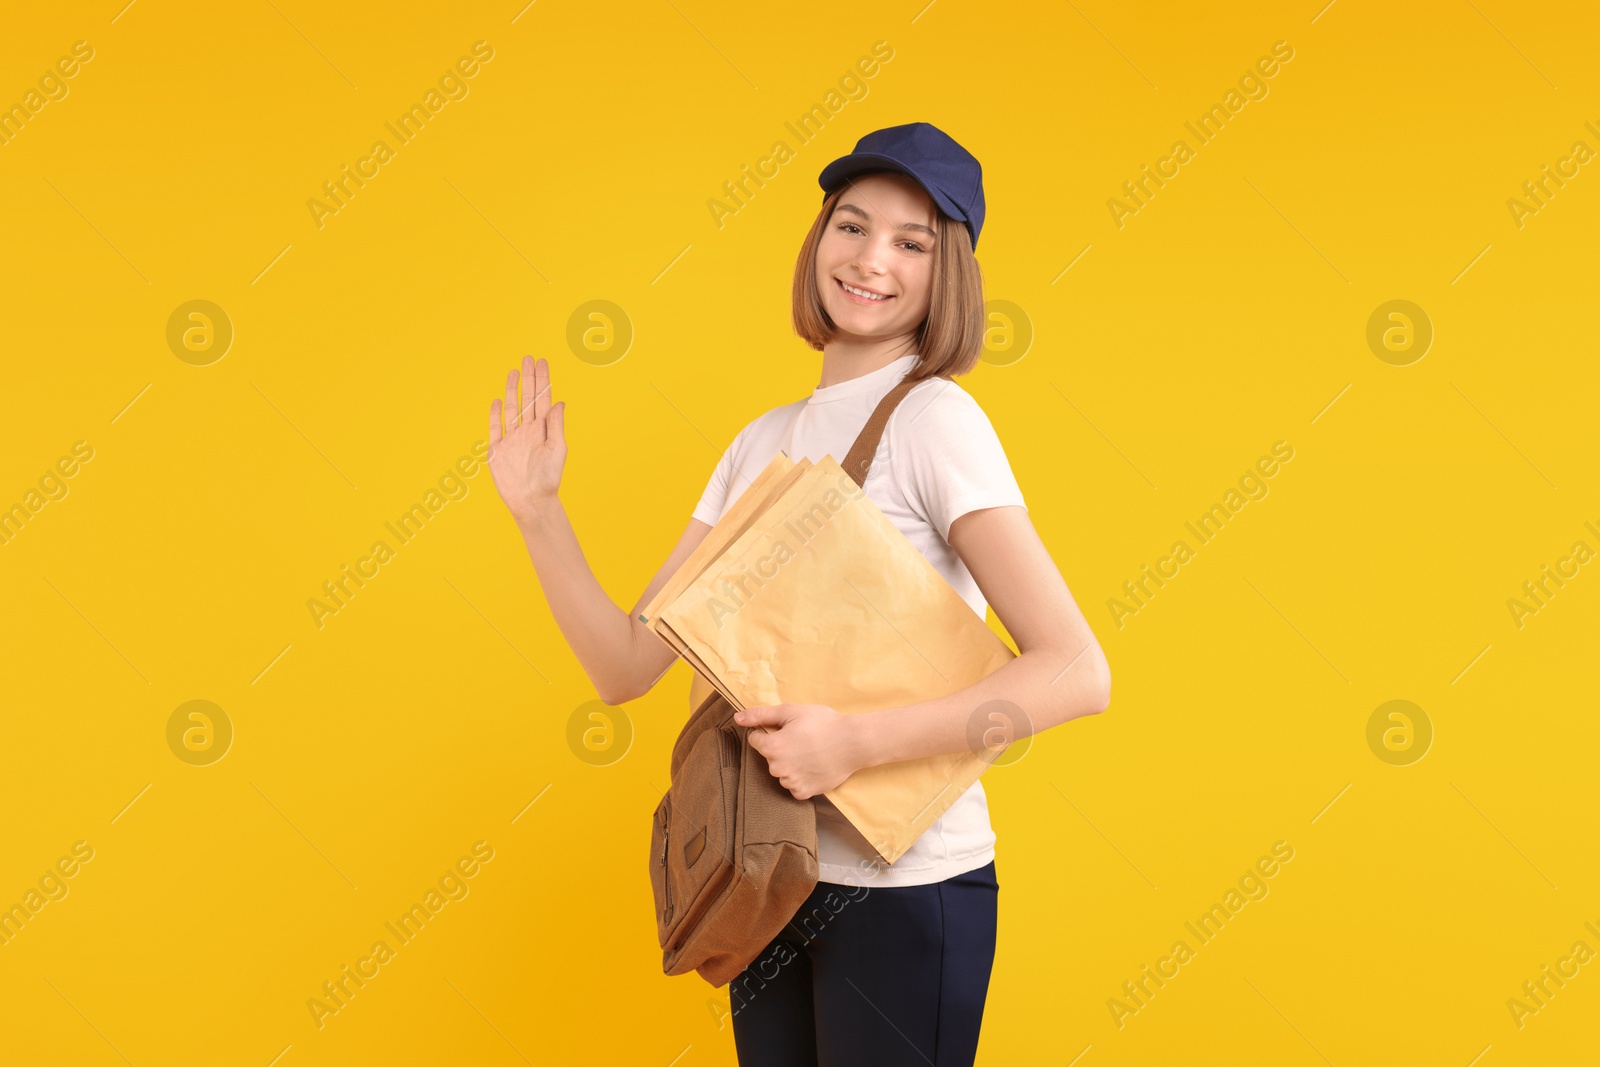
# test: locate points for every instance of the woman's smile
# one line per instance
(854, 291)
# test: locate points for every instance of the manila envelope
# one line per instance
(779, 474)
(813, 596)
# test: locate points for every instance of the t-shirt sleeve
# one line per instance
(715, 497)
(946, 450)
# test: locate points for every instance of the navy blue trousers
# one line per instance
(879, 975)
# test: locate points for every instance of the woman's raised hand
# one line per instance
(526, 460)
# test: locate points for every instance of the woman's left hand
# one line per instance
(810, 748)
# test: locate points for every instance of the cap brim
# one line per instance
(844, 168)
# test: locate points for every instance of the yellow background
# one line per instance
(431, 711)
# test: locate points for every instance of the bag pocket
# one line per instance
(696, 827)
(659, 840)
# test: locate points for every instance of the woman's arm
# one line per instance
(621, 657)
(1060, 672)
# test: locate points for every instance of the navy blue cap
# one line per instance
(950, 174)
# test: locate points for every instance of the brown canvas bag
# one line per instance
(733, 853)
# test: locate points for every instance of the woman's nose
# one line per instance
(871, 257)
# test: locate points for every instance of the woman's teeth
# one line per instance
(862, 293)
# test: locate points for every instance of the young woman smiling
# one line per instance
(883, 964)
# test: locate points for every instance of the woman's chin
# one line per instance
(865, 327)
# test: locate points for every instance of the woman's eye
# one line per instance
(850, 226)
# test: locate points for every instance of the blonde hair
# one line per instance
(950, 339)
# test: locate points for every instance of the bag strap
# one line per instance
(859, 459)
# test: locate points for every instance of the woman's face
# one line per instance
(880, 239)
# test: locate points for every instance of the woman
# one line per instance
(881, 965)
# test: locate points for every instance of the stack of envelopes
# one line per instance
(805, 592)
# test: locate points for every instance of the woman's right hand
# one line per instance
(526, 460)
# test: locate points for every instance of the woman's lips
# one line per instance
(860, 299)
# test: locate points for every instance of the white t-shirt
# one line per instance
(938, 459)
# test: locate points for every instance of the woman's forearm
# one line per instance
(602, 635)
(1030, 694)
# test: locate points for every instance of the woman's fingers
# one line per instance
(527, 398)
(541, 378)
(556, 427)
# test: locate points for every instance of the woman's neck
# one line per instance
(844, 360)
